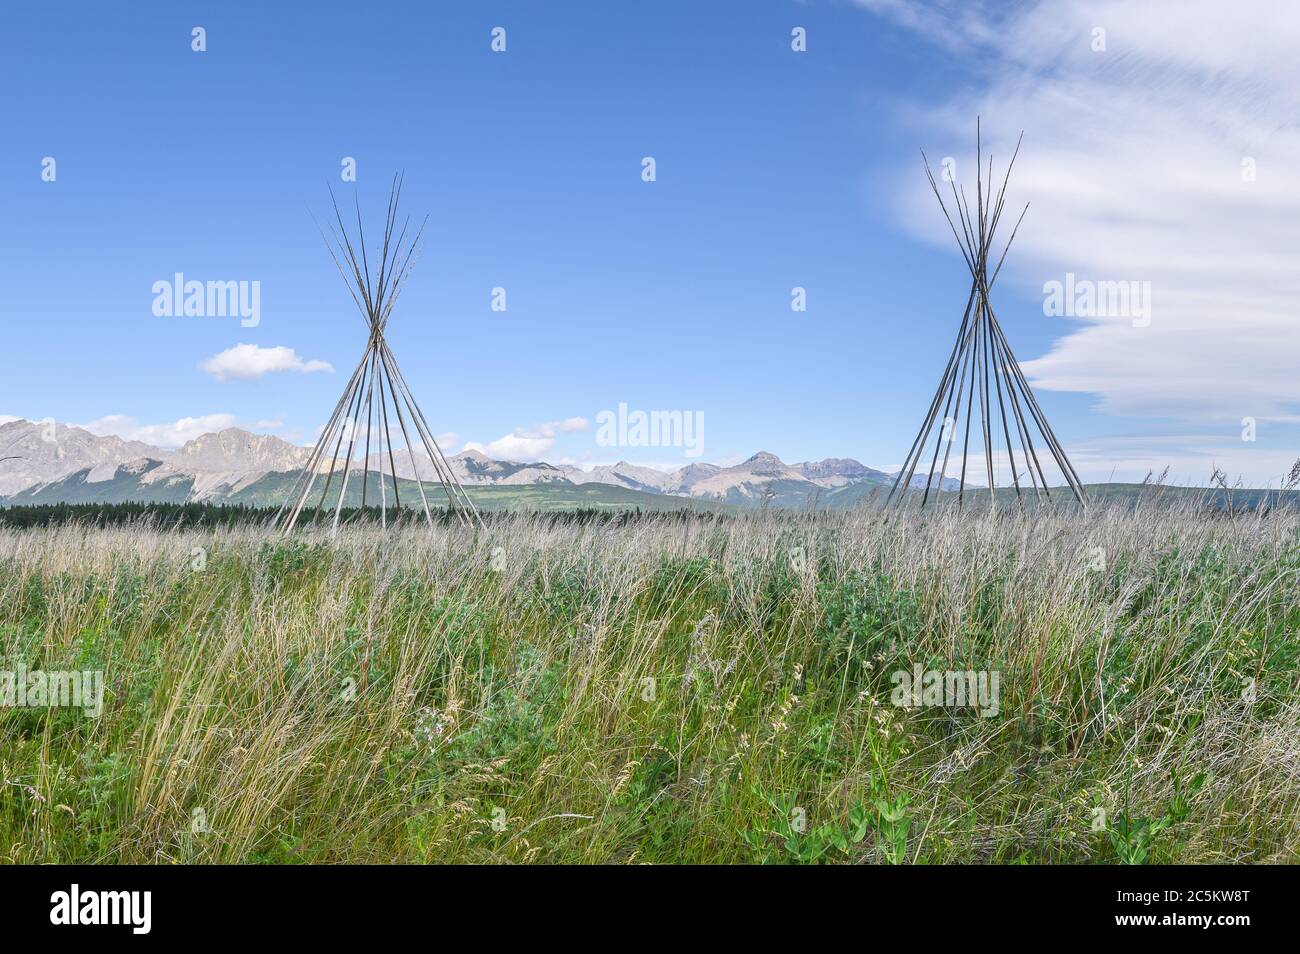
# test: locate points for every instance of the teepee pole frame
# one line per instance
(982, 367)
(374, 287)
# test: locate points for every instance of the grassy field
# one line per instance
(708, 689)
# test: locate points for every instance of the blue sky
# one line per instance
(774, 169)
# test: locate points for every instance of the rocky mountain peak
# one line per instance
(233, 457)
(235, 449)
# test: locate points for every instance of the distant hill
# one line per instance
(58, 463)
(977, 499)
(150, 482)
(141, 484)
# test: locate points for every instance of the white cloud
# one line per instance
(529, 443)
(249, 362)
(1190, 459)
(160, 435)
(1133, 163)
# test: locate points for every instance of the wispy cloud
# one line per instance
(248, 362)
(172, 434)
(956, 25)
(1191, 458)
(1138, 162)
(529, 443)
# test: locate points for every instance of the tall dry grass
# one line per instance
(666, 690)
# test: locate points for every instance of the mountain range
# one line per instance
(60, 463)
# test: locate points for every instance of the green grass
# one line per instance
(665, 690)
